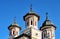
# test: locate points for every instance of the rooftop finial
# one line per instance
(46, 15)
(31, 7)
(14, 20)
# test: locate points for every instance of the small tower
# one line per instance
(31, 19)
(48, 29)
(14, 29)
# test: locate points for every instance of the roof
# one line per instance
(47, 22)
(14, 24)
(22, 36)
(31, 13)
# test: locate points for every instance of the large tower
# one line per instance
(31, 19)
(14, 30)
(48, 29)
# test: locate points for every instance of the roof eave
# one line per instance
(31, 14)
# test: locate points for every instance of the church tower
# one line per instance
(31, 19)
(48, 29)
(14, 30)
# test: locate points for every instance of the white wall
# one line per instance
(35, 33)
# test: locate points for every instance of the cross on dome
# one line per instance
(14, 20)
(46, 15)
(31, 7)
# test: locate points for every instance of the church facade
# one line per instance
(46, 31)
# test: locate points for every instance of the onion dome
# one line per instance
(14, 25)
(47, 23)
(31, 13)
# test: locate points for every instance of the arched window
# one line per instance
(44, 35)
(31, 22)
(13, 32)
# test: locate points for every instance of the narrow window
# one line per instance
(27, 23)
(31, 22)
(13, 32)
(44, 35)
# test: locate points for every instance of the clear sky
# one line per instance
(11, 8)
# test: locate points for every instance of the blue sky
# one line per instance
(11, 8)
